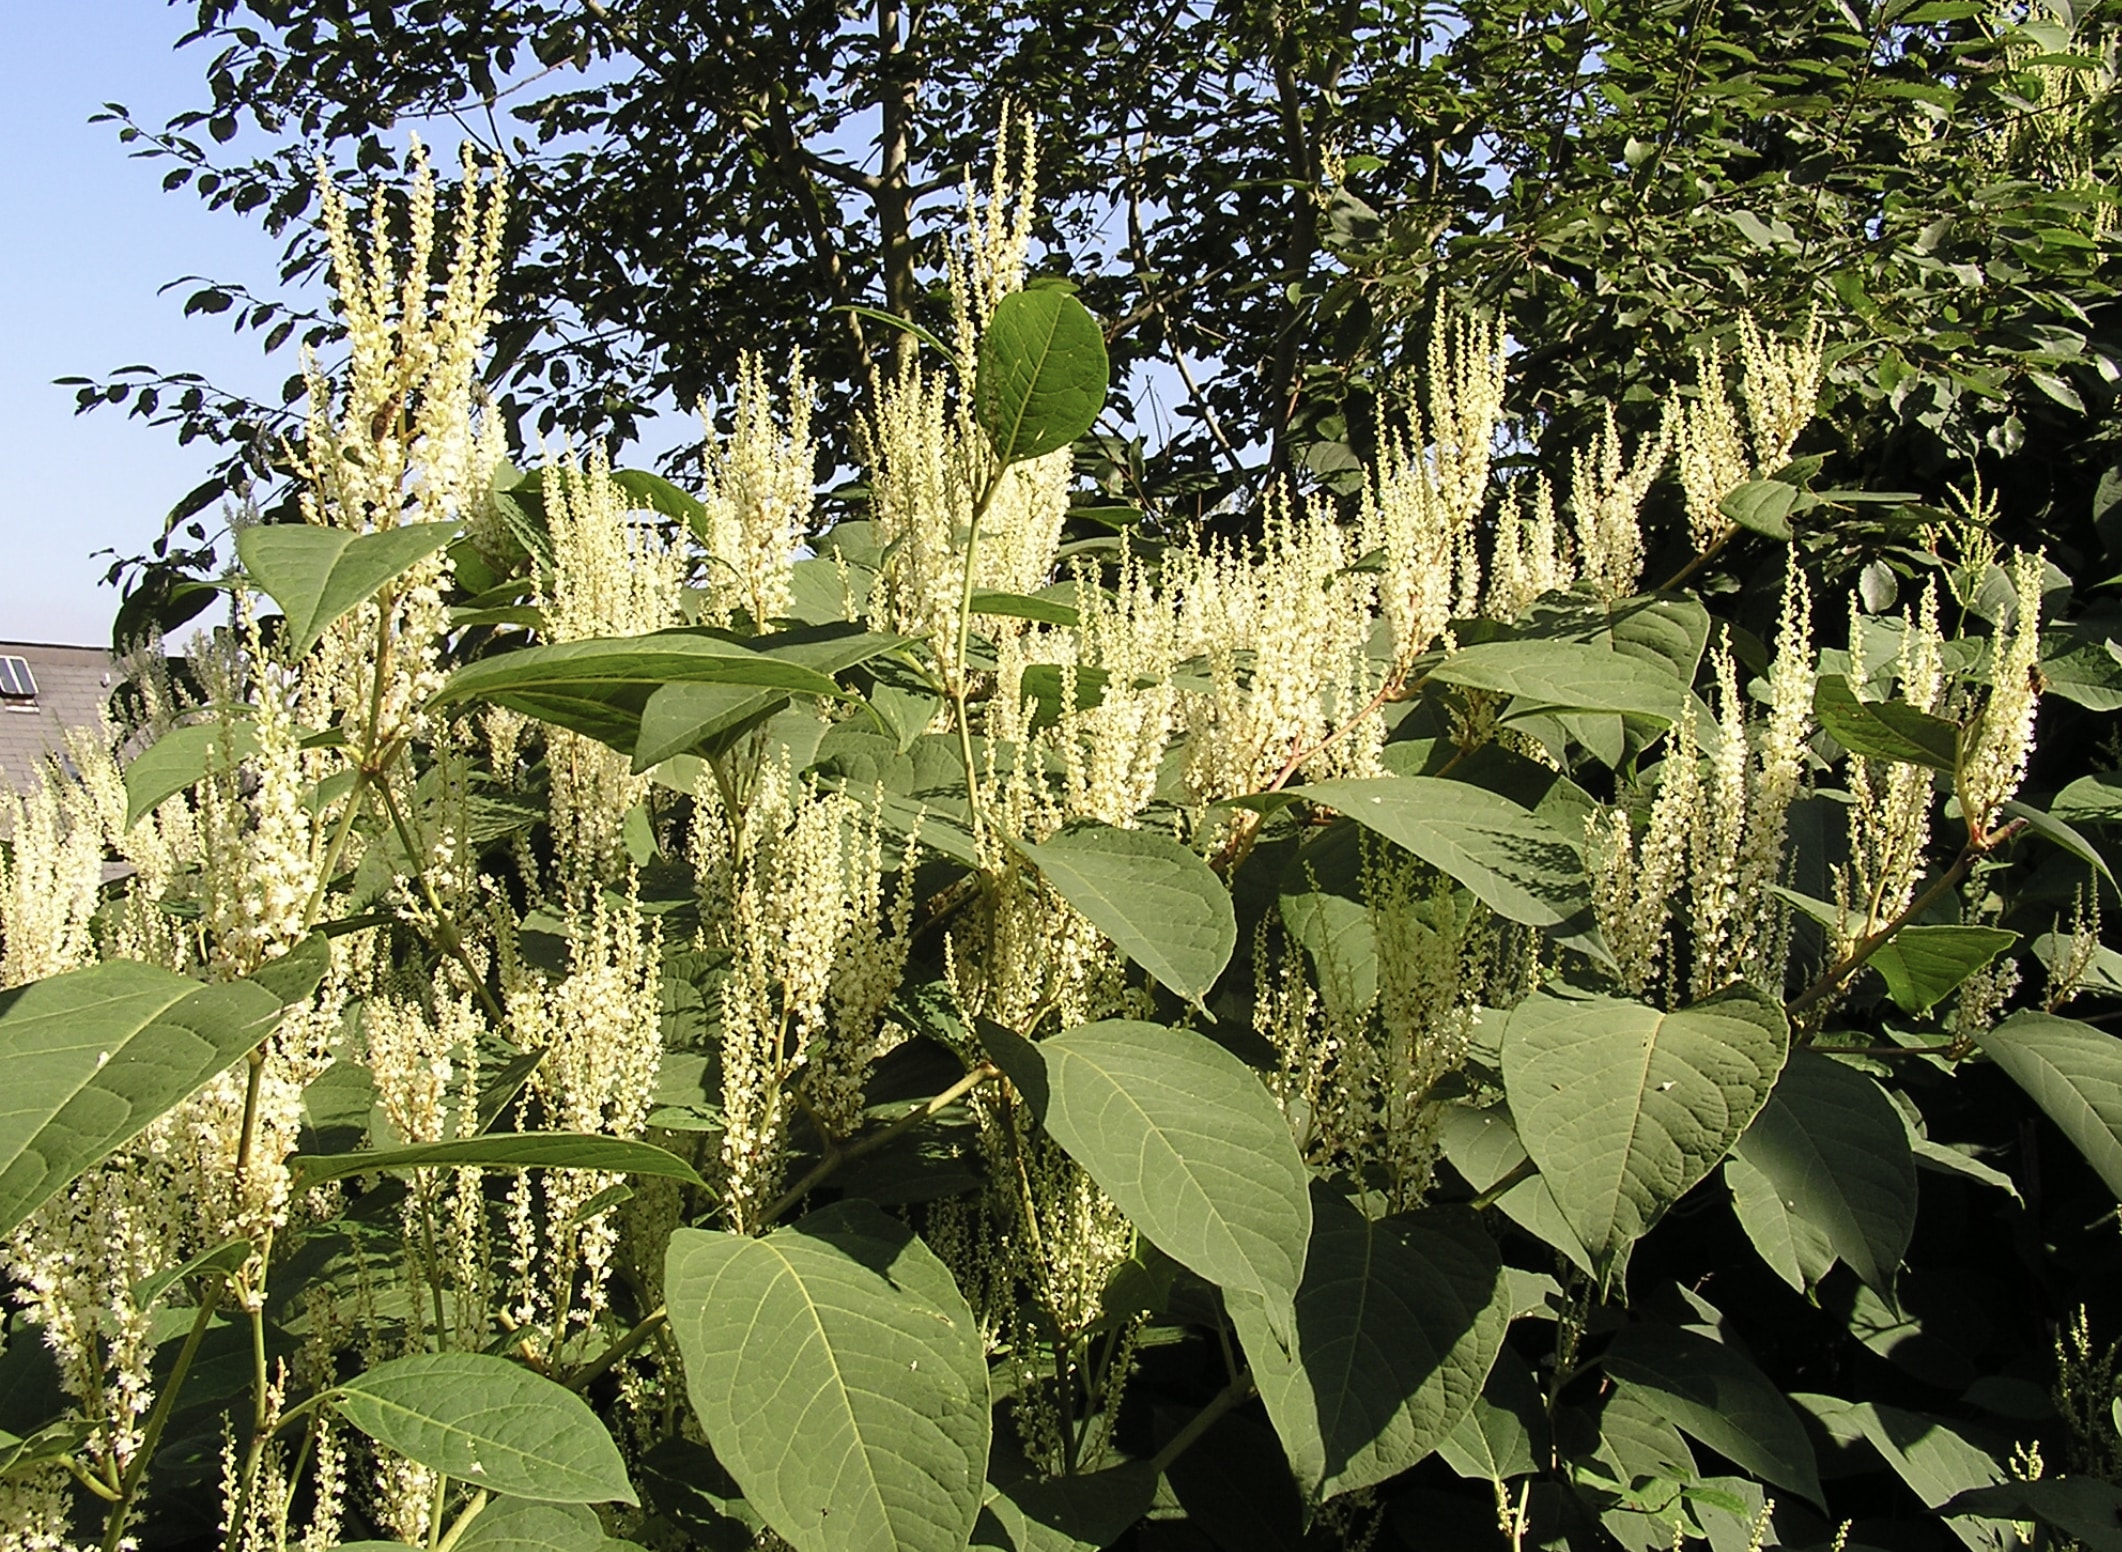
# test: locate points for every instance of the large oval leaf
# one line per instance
(1042, 374)
(1568, 676)
(1715, 1393)
(176, 760)
(94, 1055)
(507, 1150)
(1185, 1139)
(1162, 906)
(1514, 861)
(1624, 1108)
(489, 1422)
(2074, 1073)
(1834, 1152)
(600, 688)
(1398, 1323)
(840, 1377)
(315, 574)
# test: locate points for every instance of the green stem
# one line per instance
(464, 1522)
(337, 846)
(1699, 561)
(1236, 1393)
(1849, 964)
(1513, 1177)
(961, 671)
(157, 1420)
(837, 1156)
(445, 930)
(655, 1320)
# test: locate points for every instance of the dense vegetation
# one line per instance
(1500, 946)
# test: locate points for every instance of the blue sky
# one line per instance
(91, 238)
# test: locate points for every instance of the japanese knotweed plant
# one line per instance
(603, 1014)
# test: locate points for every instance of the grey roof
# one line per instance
(72, 685)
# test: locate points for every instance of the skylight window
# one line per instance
(17, 683)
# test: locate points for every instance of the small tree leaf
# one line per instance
(315, 574)
(177, 759)
(1923, 965)
(1833, 1151)
(1187, 1141)
(1042, 375)
(1624, 1108)
(1161, 905)
(94, 1055)
(1885, 730)
(1515, 862)
(1398, 1323)
(507, 1150)
(489, 1422)
(1716, 1394)
(2074, 1073)
(840, 1377)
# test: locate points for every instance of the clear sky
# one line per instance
(89, 238)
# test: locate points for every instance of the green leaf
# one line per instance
(1923, 965)
(1885, 730)
(2095, 799)
(2059, 834)
(601, 688)
(1185, 1139)
(840, 1377)
(1714, 1393)
(1494, 1441)
(1515, 862)
(1624, 1108)
(1764, 506)
(1834, 1153)
(1160, 904)
(517, 1525)
(2074, 1073)
(1483, 1145)
(1398, 1323)
(1937, 1460)
(1568, 676)
(2086, 1509)
(491, 1423)
(658, 494)
(1068, 1513)
(1042, 374)
(316, 574)
(679, 718)
(1020, 606)
(506, 1150)
(179, 758)
(94, 1055)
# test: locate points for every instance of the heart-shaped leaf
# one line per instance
(1624, 1108)
(489, 1422)
(94, 1055)
(1162, 906)
(1398, 1323)
(315, 574)
(840, 1377)
(1042, 374)
(1187, 1141)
